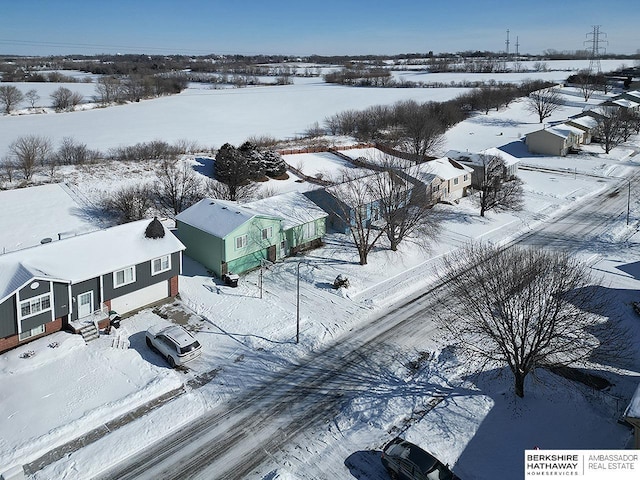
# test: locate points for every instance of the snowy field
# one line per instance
(247, 339)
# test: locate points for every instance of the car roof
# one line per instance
(178, 334)
(407, 450)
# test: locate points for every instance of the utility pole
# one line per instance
(629, 203)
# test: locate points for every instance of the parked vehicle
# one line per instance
(174, 343)
(406, 461)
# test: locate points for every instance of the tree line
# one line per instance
(418, 128)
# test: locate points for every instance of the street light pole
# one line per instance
(298, 305)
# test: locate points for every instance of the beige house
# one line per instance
(557, 140)
(455, 178)
(587, 124)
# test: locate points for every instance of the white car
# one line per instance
(174, 343)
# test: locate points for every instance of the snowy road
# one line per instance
(233, 440)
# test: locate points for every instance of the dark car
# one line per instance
(406, 461)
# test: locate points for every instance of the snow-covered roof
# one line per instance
(361, 191)
(585, 121)
(623, 102)
(446, 168)
(84, 256)
(51, 213)
(422, 172)
(477, 158)
(561, 130)
(217, 217)
(293, 208)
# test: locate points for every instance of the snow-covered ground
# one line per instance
(65, 388)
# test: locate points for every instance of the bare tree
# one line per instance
(64, 99)
(72, 153)
(496, 191)
(28, 152)
(177, 187)
(543, 102)
(586, 83)
(241, 193)
(8, 168)
(358, 208)
(405, 206)
(611, 127)
(129, 204)
(32, 97)
(422, 131)
(10, 96)
(109, 90)
(525, 309)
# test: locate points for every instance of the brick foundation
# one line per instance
(173, 286)
(12, 342)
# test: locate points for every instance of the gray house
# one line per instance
(477, 161)
(70, 282)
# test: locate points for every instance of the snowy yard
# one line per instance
(64, 388)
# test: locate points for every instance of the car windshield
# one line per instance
(189, 348)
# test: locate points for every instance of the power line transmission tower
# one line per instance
(506, 57)
(594, 42)
(517, 57)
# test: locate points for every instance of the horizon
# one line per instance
(332, 28)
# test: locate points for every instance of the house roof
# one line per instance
(476, 158)
(293, 208)
(561, 130)
(585, 121)
(361, 191)
(624, 102)
(84, 256)
(52, 213)
(447, 168)
(217, 217)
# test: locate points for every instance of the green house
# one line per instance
(303, 222)
(227, 237)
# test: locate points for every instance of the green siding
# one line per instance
(202, 247)
(295, 236)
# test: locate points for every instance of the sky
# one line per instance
(299, 27)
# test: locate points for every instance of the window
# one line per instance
(161, 264)
(35, 305)
(124, 276)
(465, 178)
(267, 233)
(31, 333)
(241, 242)
(455, 181)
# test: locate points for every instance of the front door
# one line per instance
(271, 253)
(85, 304)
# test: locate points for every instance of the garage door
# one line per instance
(140, 298)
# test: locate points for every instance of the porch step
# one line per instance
(89, 332)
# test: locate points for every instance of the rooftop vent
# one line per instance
(154, 229)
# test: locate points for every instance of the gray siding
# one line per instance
(8, 325)
(143, 278)
(83, 287)
(36, 320)
(61, 299)
(28, 292)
